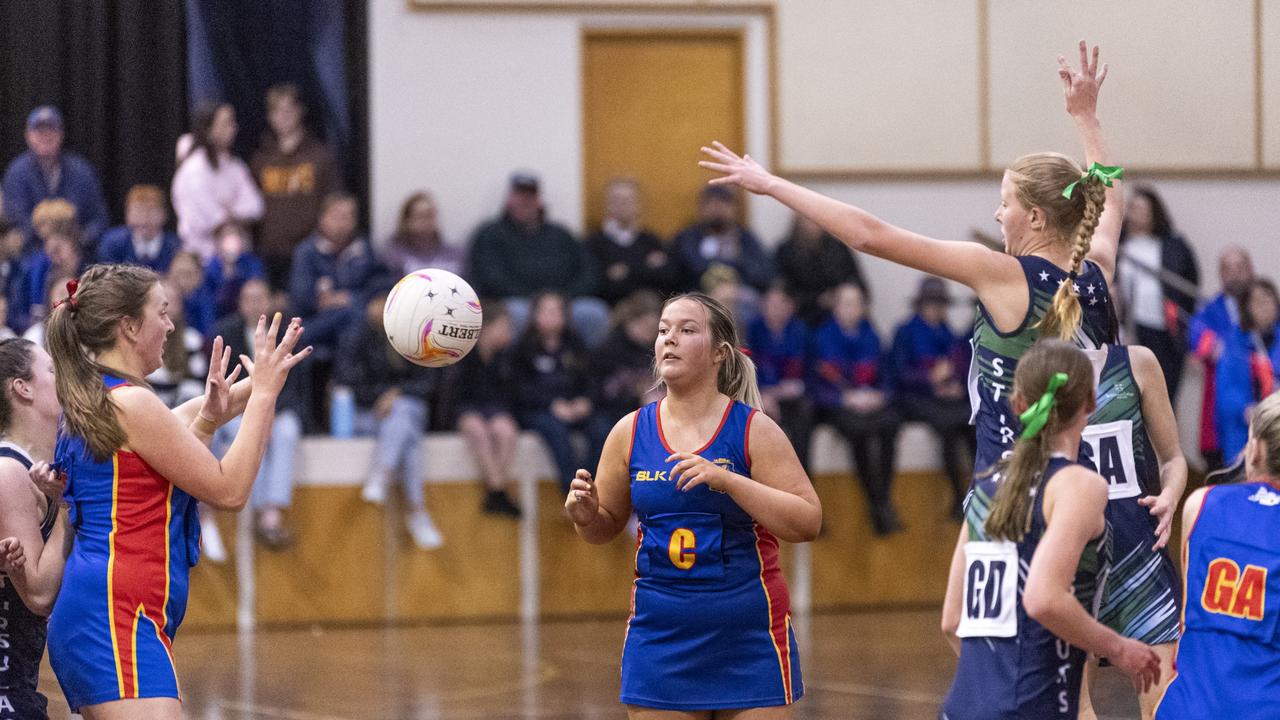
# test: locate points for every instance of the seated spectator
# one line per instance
(187, 280)
(332, 273)
(56, 293)
(60, 257)
(391, 397)
(52, 215)
(931, 364)
(45, 171)
(142, 240)
(12, 244)
(231, 268)
(813, 262)
(1216, 320)
(628, 256)
(719, 238)
(486, 409)
(1150, 253)
(622, 367)
(553, 387)
(778, 340)
(295, 171)
(722, 283)
(1245, 372)
(850, 388)
(522, 253)
(212, 186)
(417, 242)
(273, 489)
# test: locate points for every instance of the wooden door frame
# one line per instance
(737, 34)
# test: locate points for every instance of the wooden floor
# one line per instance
(876, 665)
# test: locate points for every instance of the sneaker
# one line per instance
(885, 520)
(425, 534)
(497, 502)
(211, 546)
(375, 489)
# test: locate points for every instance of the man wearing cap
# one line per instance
(44, 171)
(719, 239)
(521, 253)
(930, 362)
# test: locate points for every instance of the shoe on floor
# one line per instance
(424, 532)
(497, 502)
(375, 489)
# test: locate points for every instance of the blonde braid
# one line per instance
(1065, 314)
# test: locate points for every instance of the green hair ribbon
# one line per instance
(1037, 416)
(1104, 174)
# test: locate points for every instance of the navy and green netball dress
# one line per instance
(1228, 663)
(996, 354)
(124, 591)
(22, 632)
(1011, 667)
(710, 626)
(1142, 592)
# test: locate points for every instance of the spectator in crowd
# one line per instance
(231, 267)
(724, 284)
(12, 243)
(719, 238)
(486, 413)
(779, 341)
(187, 281)
(391, 397)
(142, 240)
(52, 215)
(417, 242)
(931, 363)
(182, 374)
(45, 171)
(273, 488)
(332, 273)
(622, 367)
(1245, 373)
(1152, 255)
(6, 332)
(211, 185)
(553, 387)
(59, 257)
(522, 253)
(851, 390)
(813, 262)
(628, 255)
(295, 171)
(56, 293)
(1216, 320)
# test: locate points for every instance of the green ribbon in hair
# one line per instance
(1037, 416)
(1102, 173)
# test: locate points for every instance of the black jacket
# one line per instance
(370, 366)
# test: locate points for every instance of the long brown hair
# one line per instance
(1039, 180)
(15, 364)
(737, 374)
(81, 328)
(1010, 516)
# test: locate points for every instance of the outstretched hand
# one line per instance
(217, 386)
(1081, 88)
(741, 171)
(272, 361)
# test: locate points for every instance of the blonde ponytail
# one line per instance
(737, 378)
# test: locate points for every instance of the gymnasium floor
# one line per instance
(878, 665)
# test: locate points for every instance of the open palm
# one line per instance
(736, 170)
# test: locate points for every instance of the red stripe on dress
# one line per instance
(778, 601)
(632, 614)
(140, 573)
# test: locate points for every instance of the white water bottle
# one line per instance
(342, 412)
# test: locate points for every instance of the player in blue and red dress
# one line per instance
(715, 484)
(1228, 663)
(135, 470)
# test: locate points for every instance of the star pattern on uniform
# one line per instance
(1044, 276)
(1076, 287)
(1091, 288)
(1093, 300)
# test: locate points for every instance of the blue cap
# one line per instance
(45, 116)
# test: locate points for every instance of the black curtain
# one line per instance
(116, 70)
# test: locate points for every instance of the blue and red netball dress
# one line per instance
(125, 588)
(1011, 667)
(1228, 663)
(1142, 593)
(710, 626)
(996, 354)
(22, 632)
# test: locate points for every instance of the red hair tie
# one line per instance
(744, 350)
(72, 286)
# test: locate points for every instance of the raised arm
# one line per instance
(778, 495)
(600, 505)
(1162, 428)
(1081, 91)
(39, 577)
(974, 265)
(1074, 506)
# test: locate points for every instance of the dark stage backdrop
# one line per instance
(116, 69)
